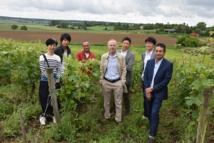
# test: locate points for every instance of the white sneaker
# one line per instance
(42, 120)
(54, 119)
(144, 117)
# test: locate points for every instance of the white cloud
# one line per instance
(133, 11)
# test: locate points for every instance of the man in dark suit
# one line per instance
(157, 75)
(129, 57)
(147, 55)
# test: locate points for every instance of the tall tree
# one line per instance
(201, 26)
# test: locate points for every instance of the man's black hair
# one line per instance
(65, 36)
(128, 39)
(151, 39)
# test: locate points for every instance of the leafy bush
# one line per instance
(23, 27)
(5, 108)
(188, 41)
(76, 89)
(11, 126)
(193, 77)
(14, 27)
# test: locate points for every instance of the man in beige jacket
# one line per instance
(113, 79)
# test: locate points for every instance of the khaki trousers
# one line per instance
(117, 89)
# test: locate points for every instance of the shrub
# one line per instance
(14, 27)
(23, 27)
(188, 41)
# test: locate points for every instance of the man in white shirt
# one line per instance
(147, 55)
(129, 58)
(157, 75)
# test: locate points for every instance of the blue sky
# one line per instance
(132, 11)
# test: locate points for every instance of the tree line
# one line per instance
(200, 28)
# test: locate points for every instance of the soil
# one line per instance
(78, 38)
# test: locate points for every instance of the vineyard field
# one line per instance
(82, 101)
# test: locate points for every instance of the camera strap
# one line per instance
(46, 60)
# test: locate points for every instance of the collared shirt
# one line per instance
(65, 54)
(157, 65)
(148, 56)
(112, 71)
(82, 56)
(86, 55)
(123, 53)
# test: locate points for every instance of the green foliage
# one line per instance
(24, 27)
(76, 88)
(82, 101)
(12, 124)
(65, 131)
(192, 78)
(188, 41)
(201, 26)
(6, 108)
(54, 22)
(63, 25)
(11, 127)
(20, 65)
(14, 27)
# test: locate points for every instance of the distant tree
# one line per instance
(201, 26)
(23, 27)
(197, 30)
(54, 22)
(207, 33)
(149, 26)
(14, 27)
(117, 26)
(181, 28)
(63, 25)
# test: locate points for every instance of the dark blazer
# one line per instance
(59, 51)
(130, 63)
(161, 80)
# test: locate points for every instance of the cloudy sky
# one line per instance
(132, 11)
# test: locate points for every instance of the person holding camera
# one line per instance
(48, 60)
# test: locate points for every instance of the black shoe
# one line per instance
(151, 140)
(103, 120)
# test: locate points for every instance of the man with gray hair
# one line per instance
(113, 79)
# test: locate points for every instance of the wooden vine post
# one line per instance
(203, 116)
(52, 91)
(22, 126)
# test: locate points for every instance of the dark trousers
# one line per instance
(144, 101)
(153, 107)
(44, 98)
(126, 98)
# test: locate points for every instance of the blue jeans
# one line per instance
(153, 107)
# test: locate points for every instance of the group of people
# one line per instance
(116, 77)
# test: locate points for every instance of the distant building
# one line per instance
(211, 33)
(194, 34)
(170, 30)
